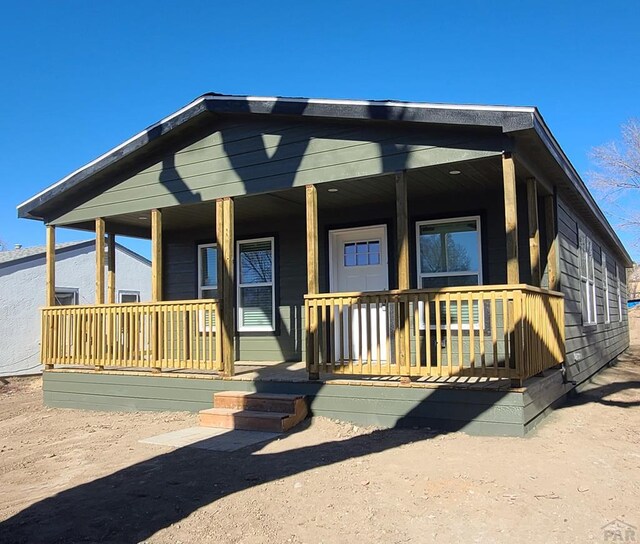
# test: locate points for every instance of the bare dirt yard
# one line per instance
(80, 476)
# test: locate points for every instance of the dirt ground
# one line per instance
(79, 476)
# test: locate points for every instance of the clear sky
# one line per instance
(79, 77)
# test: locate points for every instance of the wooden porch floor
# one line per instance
(295, 372)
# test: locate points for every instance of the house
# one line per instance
(398, 263)
(22, 291)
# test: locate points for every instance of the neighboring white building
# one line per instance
(22, 292)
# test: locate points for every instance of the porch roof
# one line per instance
(524, 125)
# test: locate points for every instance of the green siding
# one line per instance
(510, 413)
(591, 347)
(180, 259)
(256, 156)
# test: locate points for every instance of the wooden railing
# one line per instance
(509, 331)
(158, 335)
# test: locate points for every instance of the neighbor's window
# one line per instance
(207, 271)
(587, 281)
(449, 252)
(128, 296)
(66, 296)
(256, 303)
(618, 293)
(605, 287)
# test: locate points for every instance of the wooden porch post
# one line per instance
(312, 278)
(510, 218)
(226, 284)
(111, 268)
(100, 261)
(50, 287)
(552, 243)
(534, 230)
(402, 229)
(156, 255)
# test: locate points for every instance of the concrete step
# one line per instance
(261, 402)
(249, 420)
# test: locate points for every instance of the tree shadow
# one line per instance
(135, 502)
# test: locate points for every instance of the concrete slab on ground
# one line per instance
(212, 439)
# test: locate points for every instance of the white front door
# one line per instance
(359, 263)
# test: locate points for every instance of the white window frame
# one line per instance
(202, 321)
(619, 293)
(240, 286)
(420, 275)
(202, 288)
(478, 273)
(127, 292)
(605, 289)
(585, 251)
(68, 291)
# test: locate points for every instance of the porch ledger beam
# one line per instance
(156, 255)
(402, 230)
(313, 286)
(510, 217)
(534, 230)
(226, 285)
(100, 246)
(553, 273)
(111, 268)
(50, 287)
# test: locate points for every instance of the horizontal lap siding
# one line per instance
(258, 156)
(588, 347)
(180, 260)
(476, 412)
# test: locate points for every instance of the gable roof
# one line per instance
(520, 122)
(13, 256)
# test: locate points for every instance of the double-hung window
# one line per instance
(618, 293)
(587, 280)
(449, 252)
(66, 296)
(256, 297)
(450, 255)
(207, 271)
(605, 288)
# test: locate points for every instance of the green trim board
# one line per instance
(511, 412)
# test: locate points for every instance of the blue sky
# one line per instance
(79, 77)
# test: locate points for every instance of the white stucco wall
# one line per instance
(22, 293)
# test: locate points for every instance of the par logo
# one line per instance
(619, 531)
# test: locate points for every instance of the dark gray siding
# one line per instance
(589, 347)
(180, 258)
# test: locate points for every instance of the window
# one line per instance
(207, 271)
(66, 296)
(618, 293)
(605, 288)
(128, 296)
(587, 282)
(362, 253)
(256, 302)
(449, 252)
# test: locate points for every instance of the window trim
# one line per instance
(272, 284)
(202, 288)
(619, 293)
(420, 275)
(605, 289)
(67, 291)
(591, 317)
(128, 292)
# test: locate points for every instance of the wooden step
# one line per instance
(249, 420)
(261, 402)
